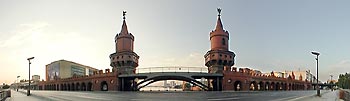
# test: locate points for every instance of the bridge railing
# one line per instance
(172, 69)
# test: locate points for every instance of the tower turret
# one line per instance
(219, 58)
(124, 60)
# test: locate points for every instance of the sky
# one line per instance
(266, 35)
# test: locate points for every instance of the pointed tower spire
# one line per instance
(218, 23)
(124, 26)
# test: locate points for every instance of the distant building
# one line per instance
(36, 78)
(172, 84)
(65, 69)
(304, 75)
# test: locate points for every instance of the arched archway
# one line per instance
(290, 87)
(89, 86)
(73, 87)
(65, 87)
(83, 86)
(285, 86)
(278, 86)
(77, 86)
(68, 87)
(261, 86)
(57, 87)
(272, 86)
(104, 86)
(61, 87)
(237, 85)
(253, 85)
(171, 77)
(267, 86)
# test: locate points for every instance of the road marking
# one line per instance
(298, 98)
(59, 98)
(284, 99)
(137, 99)
(88, 97)
(218, 99)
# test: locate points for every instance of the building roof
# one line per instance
(62, 60)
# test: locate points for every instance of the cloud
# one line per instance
(23, 34)
(340, 67)
(37, 39)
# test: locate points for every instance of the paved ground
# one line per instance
(326, 96)
(171, 96)
(22, 96)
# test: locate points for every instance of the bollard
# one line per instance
(5, 94)
(341, 94)
(344, 94)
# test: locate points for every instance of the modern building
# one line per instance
(65, 69)
(36, 78)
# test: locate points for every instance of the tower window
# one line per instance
(223, 41)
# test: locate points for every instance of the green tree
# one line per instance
(5, 87)
(344, 81)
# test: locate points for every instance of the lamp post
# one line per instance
(331, 82)
(17, 83)
(28, 91)
(317, 86)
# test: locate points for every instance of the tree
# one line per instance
(344, 81)
(5, 87)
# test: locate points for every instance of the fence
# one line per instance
(4, 94)
(172, 69)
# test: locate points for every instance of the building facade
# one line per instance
(62, 69)
(36, 78)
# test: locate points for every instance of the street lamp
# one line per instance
(331, 82)
(17, 83)
(317, 86)
(28, 91)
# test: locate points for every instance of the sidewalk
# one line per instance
(327, 96)
(22, 96)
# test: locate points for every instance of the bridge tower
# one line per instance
(219, 58)
(124, 60)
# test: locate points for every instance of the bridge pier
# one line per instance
(121, 84)
(126, 84)
(217, 84)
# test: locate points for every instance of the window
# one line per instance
(223, 41)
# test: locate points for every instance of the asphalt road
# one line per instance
(171, 96)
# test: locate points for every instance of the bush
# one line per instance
(5, 87)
